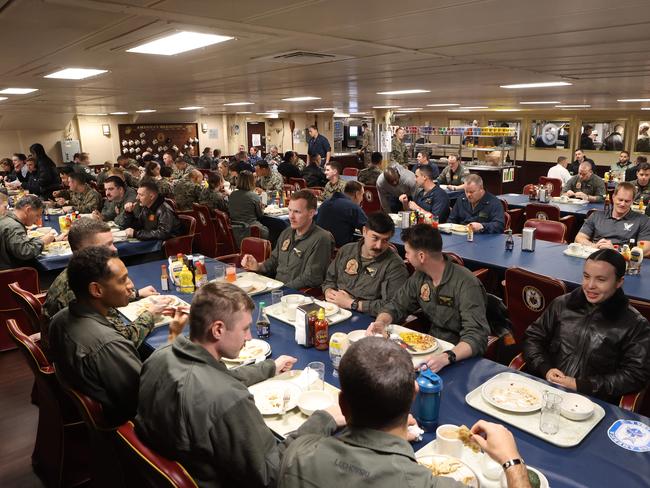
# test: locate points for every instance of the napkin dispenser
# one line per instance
(528, 239)
(302, 323)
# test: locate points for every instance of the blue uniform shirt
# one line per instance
(435, 201)
(488, 211)
(319, 145)
(341, 216)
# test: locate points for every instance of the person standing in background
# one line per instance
(399, 152)
(48, 177)
(318, 144)
(367, 144)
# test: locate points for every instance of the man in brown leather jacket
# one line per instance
(151, 218)
(591, 340)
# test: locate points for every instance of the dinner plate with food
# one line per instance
(250, 286)
(270, 396)
(254, 349)
(330, 308)
(417, 342)
(169, 301)
(450, 228)
(58, 248)
(512, 395)
(450, 467)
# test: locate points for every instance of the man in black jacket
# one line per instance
(591, 340)
(151, 218)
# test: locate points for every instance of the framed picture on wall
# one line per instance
(602, 135)
(642, 143)
(550, 134)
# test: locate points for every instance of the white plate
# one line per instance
(330, 308)
(512, 396)
(245, 285)
(424, 351)
(460, 471)
(454, 228)
(255, 348)
(270, 396)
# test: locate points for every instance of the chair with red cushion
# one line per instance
(105, 469)
(515, 216)
(146, 468)
(206, 233)
(543, 211)
(183, 243)
(260, 249)
(548, 230)
(31, 305)
(27, 279)
(298, 183)
(172, 203)
(527, 295)
(349, 171)
(61, 446)
(317, 191)
(527, 188)
(554, 185)
(370, 202)
(226, 243)
(188, 224)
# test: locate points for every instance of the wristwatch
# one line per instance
(451, 355)
(512, 462)
(355, 305)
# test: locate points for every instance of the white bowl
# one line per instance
(356, 335)
(245, 285)
(312, 400)
(295, 299)
(576, 407)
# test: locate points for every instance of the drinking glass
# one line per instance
(319, 379)
(219, 271)
(276, 296)
(549, 420)
(231, 273)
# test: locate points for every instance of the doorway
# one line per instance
(256, 134)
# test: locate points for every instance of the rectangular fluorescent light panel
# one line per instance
(236, 104)
(545, 84)
(145, 111)
(387, 106)
(190, 108)
(459, 110)
(540, 103)
(243, 113)
(18, 91)
(3, 98)
(76, 73)
(443, 105)
(119, 113)
(572, 106)
(472, 108)
(634, 100)
(300, 99)
(403, 92)
(179, 42)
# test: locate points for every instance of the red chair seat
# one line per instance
(27, 279)
(349, 171)
(370, 202)
(548, 230)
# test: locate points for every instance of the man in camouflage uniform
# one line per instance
(367, 144)
(642, 183)
(117, 194)
(368, 176)
(450, 296)
(85, 233)
(183, 167)
(399, 152)
(188, 190)
(15, 247)
(366, 274)
(268, 180)
(333, 170)
(83, 198)
(212, 196)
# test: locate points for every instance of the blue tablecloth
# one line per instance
(488, 250)
(517, 200)
(594, 463)
(126, 248)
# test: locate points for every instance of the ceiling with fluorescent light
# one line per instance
(460, 50)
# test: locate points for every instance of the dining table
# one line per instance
(595, 462)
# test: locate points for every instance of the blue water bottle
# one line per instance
(427, 401)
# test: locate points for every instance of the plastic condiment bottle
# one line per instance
(427, 402)
(186, 282)
(470, 233)
(636, 257)
(321, 331)
(164, 283)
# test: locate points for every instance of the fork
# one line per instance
(286, 398)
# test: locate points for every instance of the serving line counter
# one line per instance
(595, 462)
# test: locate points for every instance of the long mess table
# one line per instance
(488, 250)
(517, 200)
(125, 248)
(596, 462)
